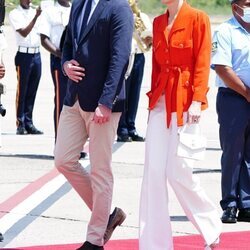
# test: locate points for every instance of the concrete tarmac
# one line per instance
(49, 211)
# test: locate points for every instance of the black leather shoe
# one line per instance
(124, 138)
(33, 130)
(229, 215)
(115, 219)
(1, 237)
(21, 131)
(88, 246)
(136, 137)
(244, 215)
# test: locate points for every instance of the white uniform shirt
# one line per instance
(231, 48)
(3, 43)
(20, 18)
(53, 21)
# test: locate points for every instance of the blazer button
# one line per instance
(187, 83)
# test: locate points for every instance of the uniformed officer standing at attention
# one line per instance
(24, 20)
(53, 22)
(3, 45)
(231, 61)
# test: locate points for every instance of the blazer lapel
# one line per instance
(78, 11)
(98, 10)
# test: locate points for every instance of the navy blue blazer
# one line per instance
(103, 50)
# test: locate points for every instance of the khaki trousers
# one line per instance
(162, 165)
(94, 187)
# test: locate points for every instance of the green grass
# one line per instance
(157, 9)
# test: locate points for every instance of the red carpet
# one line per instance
(229, 241)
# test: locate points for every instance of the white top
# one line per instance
(20, 18)
(53, 21)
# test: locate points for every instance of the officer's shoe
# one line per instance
(1, 237)
(21, 130)
(124, 138)
(229, 215)
(244, 215)
(33, 130)
(135, 137)
(83, 155)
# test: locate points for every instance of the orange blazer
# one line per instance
(181, 61)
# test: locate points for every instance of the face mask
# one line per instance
(246, 14)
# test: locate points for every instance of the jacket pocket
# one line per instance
(181, 52)
(177, 44)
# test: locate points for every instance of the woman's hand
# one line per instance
(194, 112)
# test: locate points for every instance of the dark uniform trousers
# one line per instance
(60, 86)
(133, 87)
(234, 120)
(28, 67)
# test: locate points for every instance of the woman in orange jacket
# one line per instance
(181, 65)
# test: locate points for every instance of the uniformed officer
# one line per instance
(3, 45)
(53, 22)
(24, 20)
(231, 61)
(126, 131)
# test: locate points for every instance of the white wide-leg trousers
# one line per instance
(162, 165)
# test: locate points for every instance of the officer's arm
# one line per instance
(48, 45)
(232, 81)
(25, 31)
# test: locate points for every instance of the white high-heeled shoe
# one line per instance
(213, 245)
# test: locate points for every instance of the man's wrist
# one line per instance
(63, 67)
(101, 105)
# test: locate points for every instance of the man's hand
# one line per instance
(38, 11)
(2, 70)
(102, 114)
(73, 70)
(194, 112)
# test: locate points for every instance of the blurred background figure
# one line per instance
(24, 21)
(141, 43)
(231, 61)
(52, 27)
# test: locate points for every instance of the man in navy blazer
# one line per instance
(95, 58)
